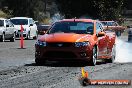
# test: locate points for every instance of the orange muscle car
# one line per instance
(114, 26)
(76, 39)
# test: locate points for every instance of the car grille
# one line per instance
(60, 44)
(59, 54)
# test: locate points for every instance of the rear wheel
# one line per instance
(28, 35)
(93, 61)
(2, 38)
(13, 38)
(35, 37)
(129, 38)
(113, 55)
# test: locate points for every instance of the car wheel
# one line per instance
(28, 36)
(13, 38)
(93, 61)
(113, 55)
(129, 38)
(2, 38)
(35, 37)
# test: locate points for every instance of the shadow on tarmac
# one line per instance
(64, 64)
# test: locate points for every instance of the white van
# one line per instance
(28, 24)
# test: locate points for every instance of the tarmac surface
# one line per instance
(18, 69)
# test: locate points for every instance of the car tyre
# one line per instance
(113, 55)
(93, 61)
(35, 37)
(13, 38)
(2, 38)
(28, 36)
(129, 38)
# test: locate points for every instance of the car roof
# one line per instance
(72, 20)
(107, 21)
(3, 19)
(20, 18)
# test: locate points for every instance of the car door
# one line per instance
(7, 31)
(33, 28)
(10, 29)
(102, 41)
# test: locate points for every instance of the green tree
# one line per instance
(27, 8)
(97, 9)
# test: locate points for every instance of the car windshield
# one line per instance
(1, 22)
(109, 23)
(19, 21)
(72, 27)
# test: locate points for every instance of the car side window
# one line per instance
(116, 24)
(98, 27)
(10, 24)
(6, 22)
(31, 21)
(101, 26)
(1, 22)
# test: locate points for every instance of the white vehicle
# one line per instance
(28, 24)
(7, 30)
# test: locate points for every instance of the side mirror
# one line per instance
(100, 34)
(7, 25)
(31, 24)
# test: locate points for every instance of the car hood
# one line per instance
(18, 27)
(65, 37)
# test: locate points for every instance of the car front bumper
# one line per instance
(63, 53)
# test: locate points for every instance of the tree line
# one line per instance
(96, 9)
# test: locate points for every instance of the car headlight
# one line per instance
(41, 43)
(81, 44)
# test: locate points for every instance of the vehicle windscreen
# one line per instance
(1, 22)
(19, 21)
(72, 27)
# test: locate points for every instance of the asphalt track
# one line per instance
(18, 70)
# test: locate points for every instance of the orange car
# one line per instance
(114, 26)
(75, 39)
